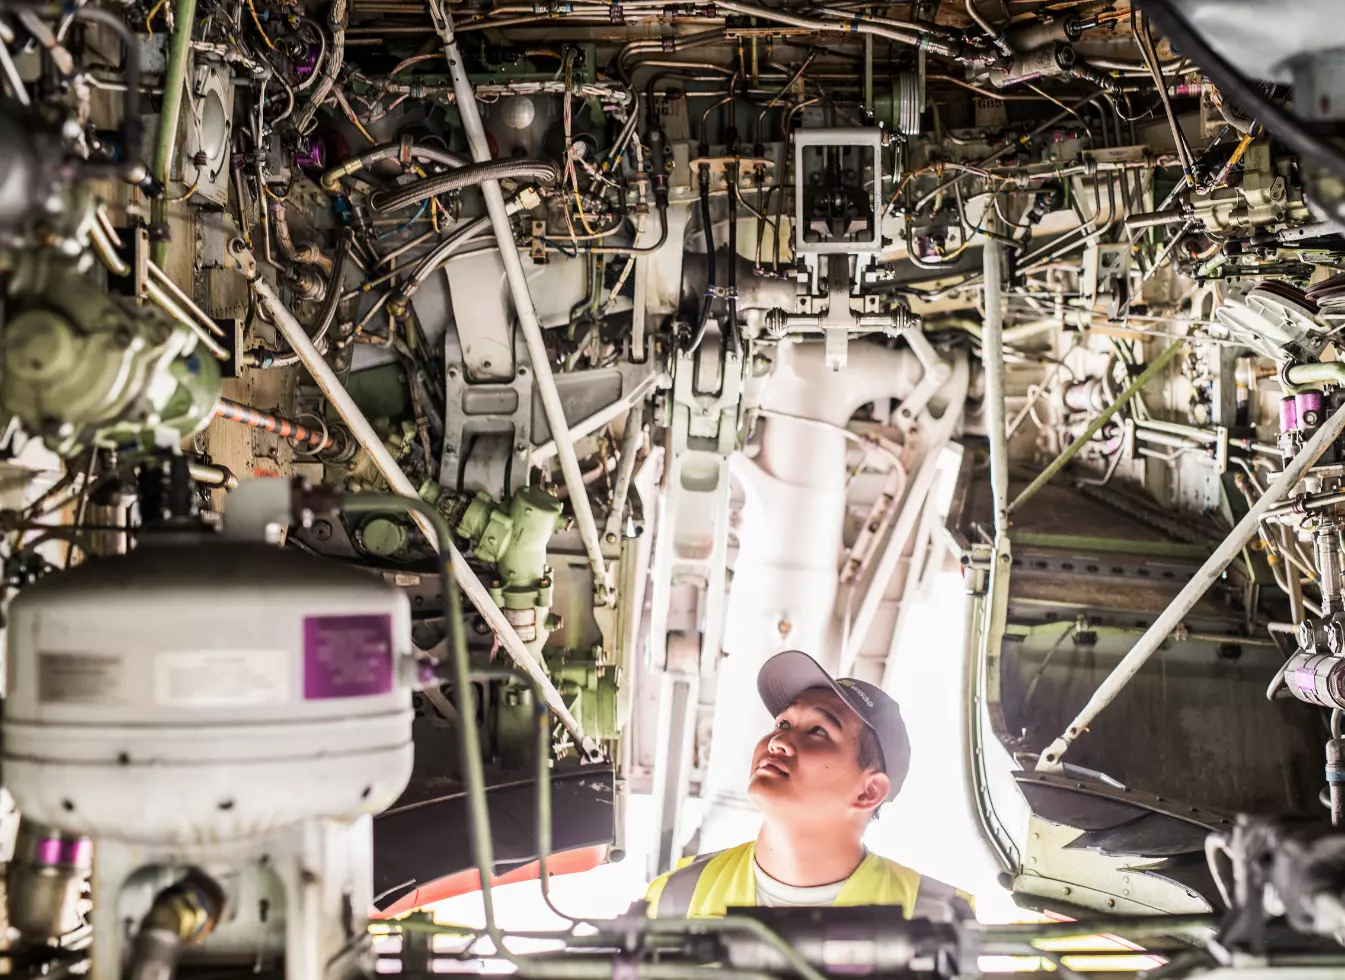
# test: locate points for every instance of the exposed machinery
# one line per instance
(417, 415)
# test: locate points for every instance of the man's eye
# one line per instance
(818, 730)
(781, 725)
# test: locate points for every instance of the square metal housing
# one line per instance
(866, 138)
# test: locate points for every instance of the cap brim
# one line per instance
(787, 675)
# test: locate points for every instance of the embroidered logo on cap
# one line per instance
(858, 691)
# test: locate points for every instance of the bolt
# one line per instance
(485, 365)
(1306, 635)
(1335, 637)
(322, 531)
(611, 537)
(452, 372)
(784, 626)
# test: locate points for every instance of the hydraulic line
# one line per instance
(854, 24)
(1095, 426)
(442, 252)
(996, 37)
(181, 915)
(233, 411)
(331, 178)
(306, 254)
(731, 331)
(535, 171)
(707, 301)
(335, 283)
(212, 475)
(174, 90)
(630, 249)
(336, 57)
(992, 352)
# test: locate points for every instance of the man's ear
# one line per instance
(874, 791)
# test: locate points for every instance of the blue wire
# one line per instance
(414, 218)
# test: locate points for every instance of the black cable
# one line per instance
(573, 250)
(334, 286)
(707, 301)
(1245, 94)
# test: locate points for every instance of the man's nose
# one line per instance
(780, 744)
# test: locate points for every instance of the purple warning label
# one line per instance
(347, 656)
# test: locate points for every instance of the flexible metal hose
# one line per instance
(442, 253)
(334, 288)
(540, 171)
(331, 180)
(335, 62)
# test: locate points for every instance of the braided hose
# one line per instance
(540, 171)
(335, 61)
(334, 286)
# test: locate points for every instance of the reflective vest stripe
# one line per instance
(680, 888)
(938, 902)
(710, 884)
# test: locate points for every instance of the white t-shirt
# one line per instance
(777, 895)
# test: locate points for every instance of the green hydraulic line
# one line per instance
(1309, 374)
(1111, 546)
(174, 85)
(1072, 450)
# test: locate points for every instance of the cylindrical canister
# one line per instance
(1309, 407)
(1317, 679)
(1288, 414)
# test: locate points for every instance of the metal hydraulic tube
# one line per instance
(174, 84)
(1052, 759)
(1326, 545)
(1070, 451)
(523, 306)
(992, 351)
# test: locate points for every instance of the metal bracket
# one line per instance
(838, 139)
(485, 425)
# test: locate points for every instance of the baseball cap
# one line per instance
(787, 675)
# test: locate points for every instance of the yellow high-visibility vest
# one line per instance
(705, 887)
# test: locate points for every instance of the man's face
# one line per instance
(807, 768)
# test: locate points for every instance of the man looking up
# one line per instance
(838, 752)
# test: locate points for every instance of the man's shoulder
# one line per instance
(934, 899)
(686, 864)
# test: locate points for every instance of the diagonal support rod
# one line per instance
(1072, 450)
(1171, 617)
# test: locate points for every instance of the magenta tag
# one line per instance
(347, 656)
(56, 851)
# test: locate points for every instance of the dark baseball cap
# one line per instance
(787, 675)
